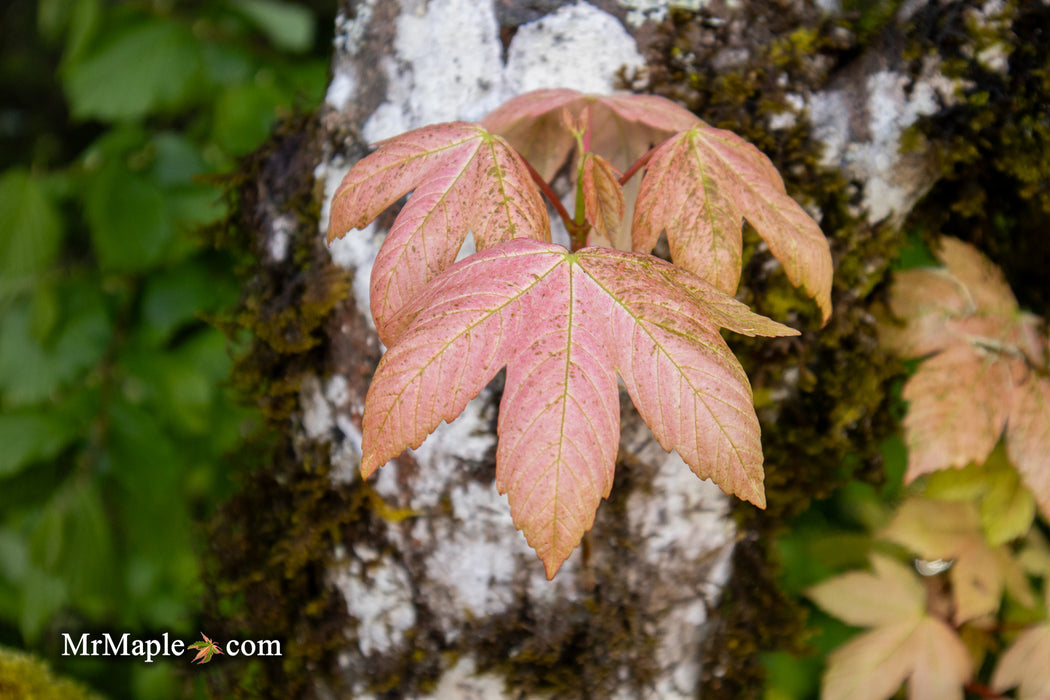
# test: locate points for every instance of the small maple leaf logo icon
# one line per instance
(205, 650)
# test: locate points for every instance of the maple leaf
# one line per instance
(206, 649)
(952, 531)
(564, 324)
(698, 186)
(988, 372)
(1024, 662)
(463, 179)
(907, 642)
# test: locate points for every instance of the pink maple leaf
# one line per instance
(564, 325)
(699, 185)
(463, 179)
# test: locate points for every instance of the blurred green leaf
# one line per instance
(127, 213)
(14, 559)
(176, 296)
(32, 436)
(227, 65)
(244, 116)
(45, 311)
(191, 207)
(155, 681)
(30, 370)
(148, 474)
(31, 230)
(149, 67)
(89, 551)
(73, 534)
(43, 595)
(290, 27)
(176, 160)
(77, 19)
(113, 415)
(790, 677)
(1007, 508)
(52, 17)
(48, 537)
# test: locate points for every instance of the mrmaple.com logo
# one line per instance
(125, 645)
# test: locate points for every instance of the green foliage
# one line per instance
(114, 417)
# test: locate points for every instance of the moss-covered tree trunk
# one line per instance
(416, 584)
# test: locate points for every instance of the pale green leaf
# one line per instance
(966, 484)
(1007, 509)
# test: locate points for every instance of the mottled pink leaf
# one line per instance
(464, 180)
(924, 300)
(682, 194)
(957, 409)
(1028, 437)
(534, 125)
(697, 187)
(564, 324)
(984, 281)
(603, 201)
(989, 372)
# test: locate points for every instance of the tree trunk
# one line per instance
(416, 584)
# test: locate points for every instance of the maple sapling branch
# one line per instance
(577, 232)
(638, 165)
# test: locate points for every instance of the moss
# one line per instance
(994, 145)
(24, 676)
(270, 544)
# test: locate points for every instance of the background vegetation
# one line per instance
(115, 423)
(117, 122)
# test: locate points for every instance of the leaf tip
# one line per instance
(758, 497)
(825, 311)
(369, 465)
(551, 564)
